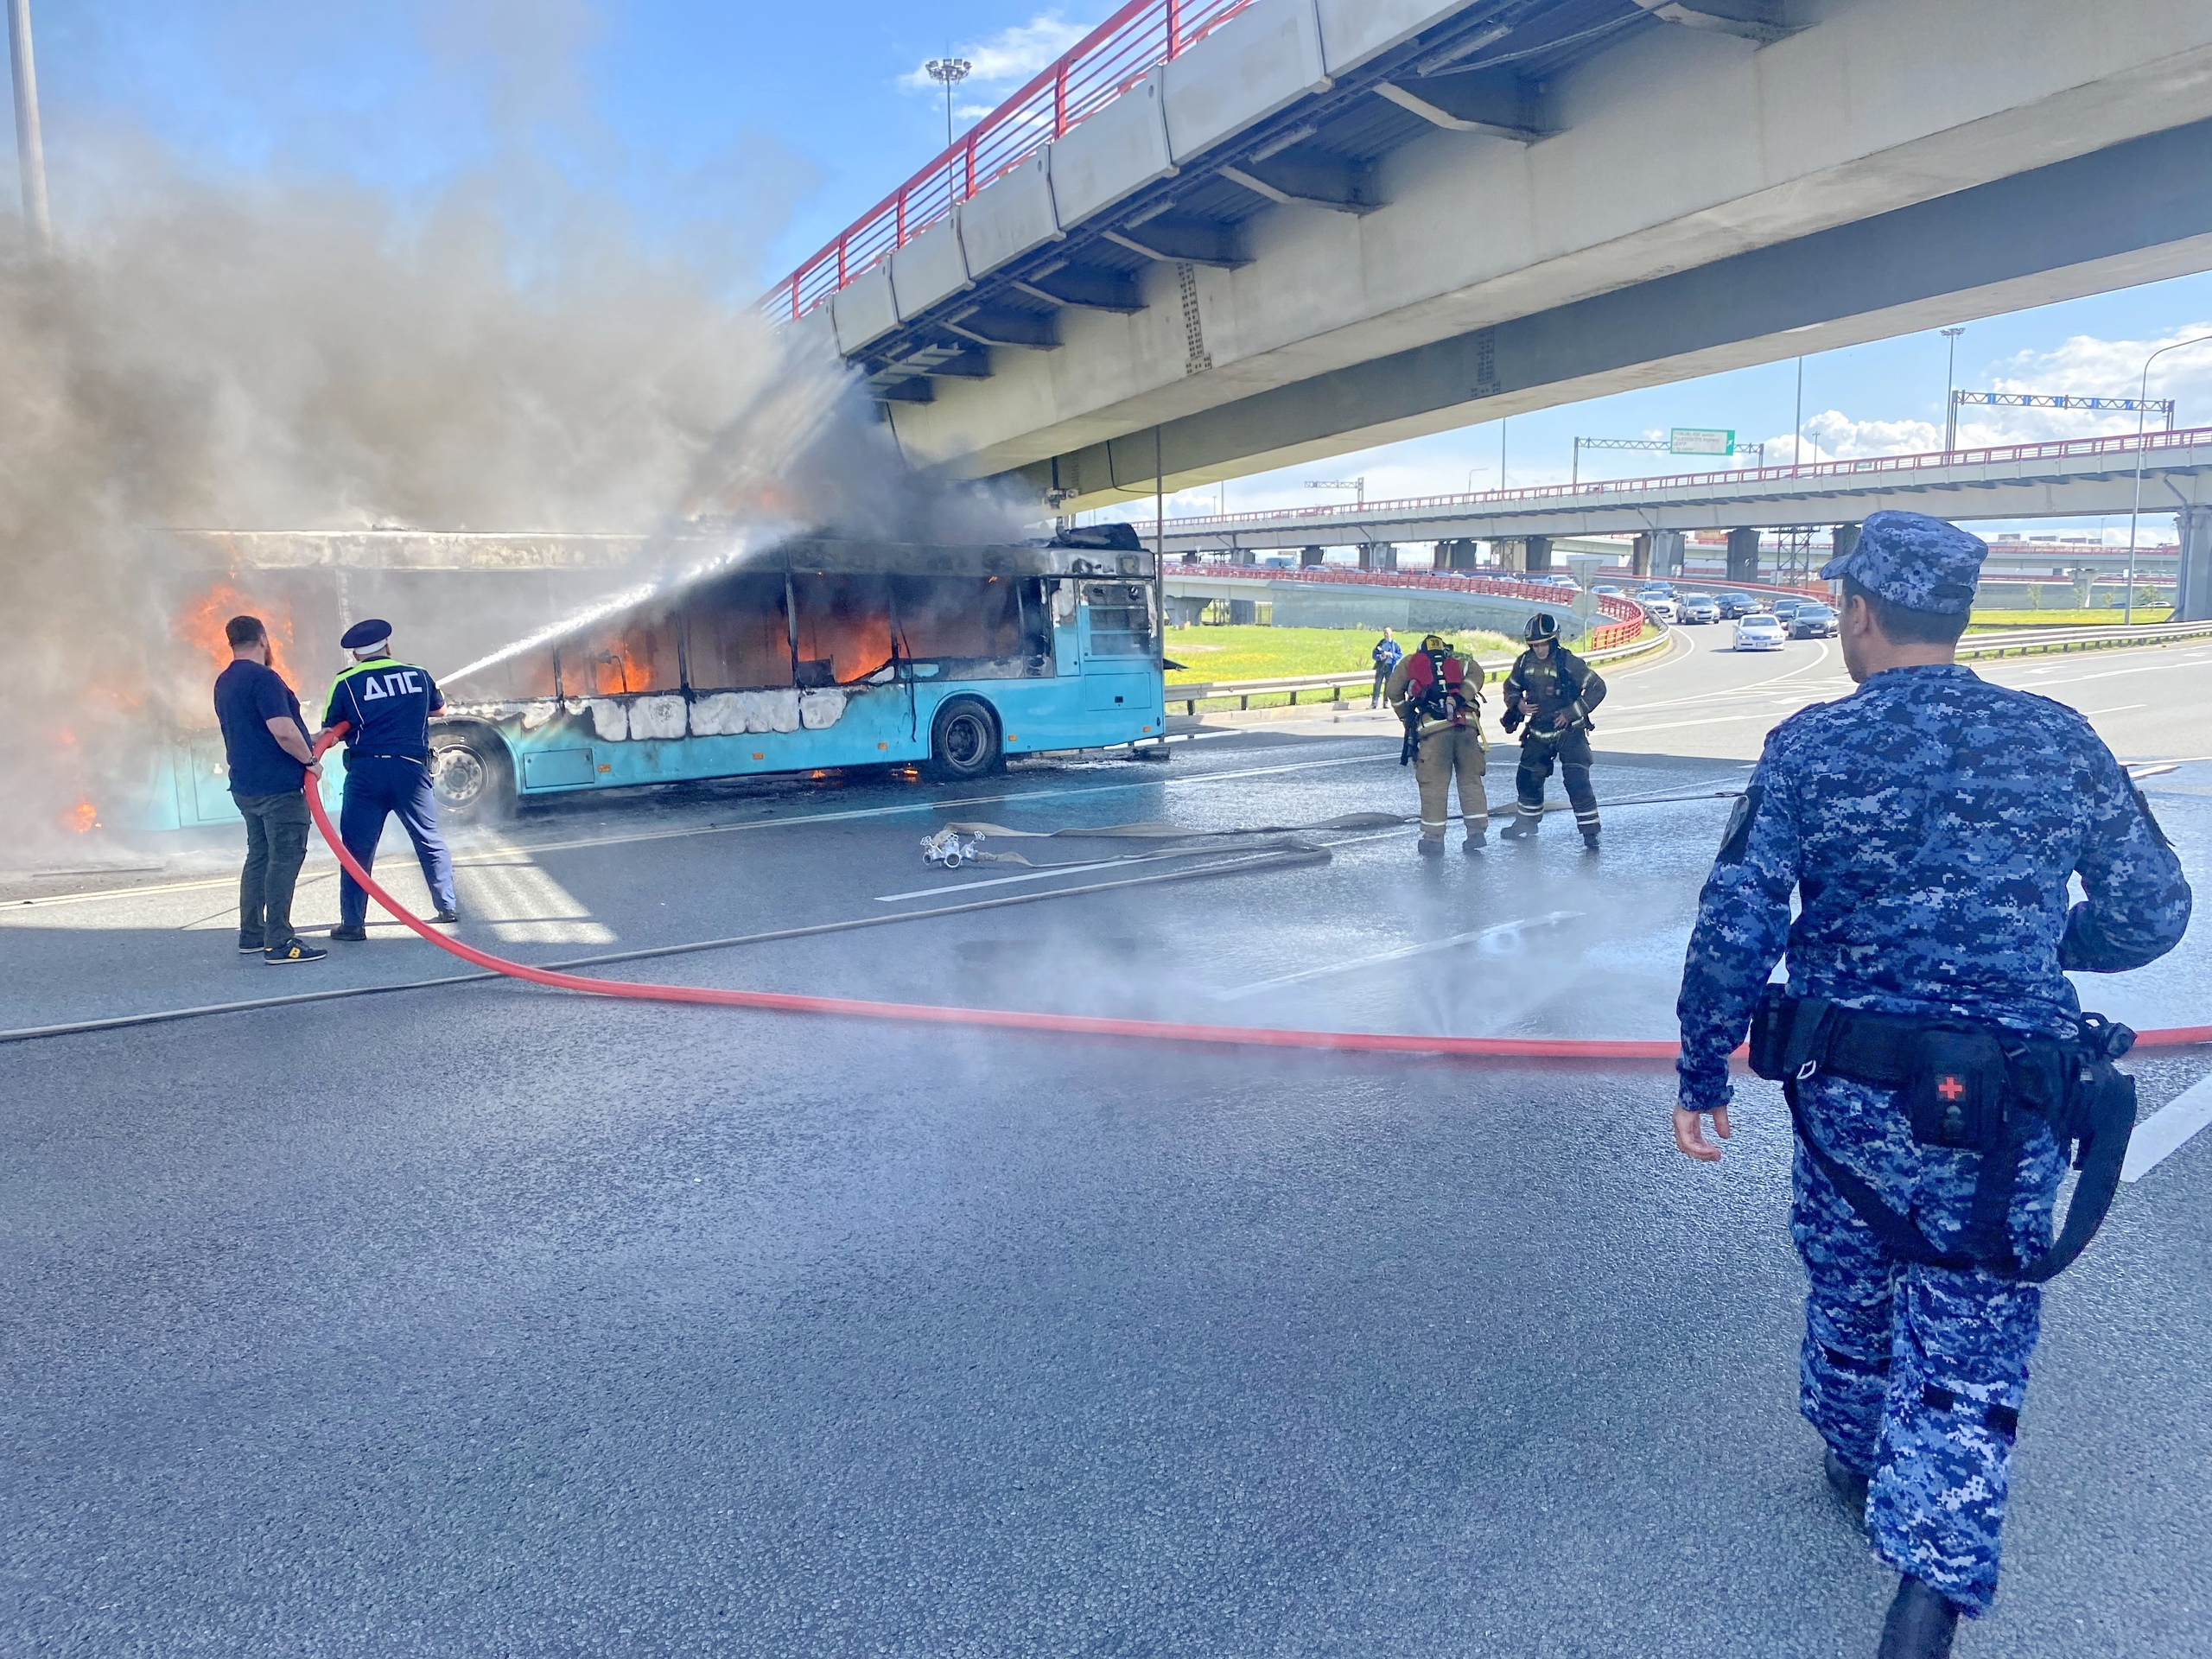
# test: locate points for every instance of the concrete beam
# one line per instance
(1751, 20)
(2132, 212)
(1004, 325)
(1340, 186)
(1088, 287)
(1497, 106)
(914, 390)
(1184, 239)
(973, 363)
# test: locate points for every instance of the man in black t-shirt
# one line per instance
(265, 742)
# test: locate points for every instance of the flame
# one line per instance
(200, 625)
(83, 818)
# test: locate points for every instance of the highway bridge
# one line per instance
(2079, 476)
(1225, 235)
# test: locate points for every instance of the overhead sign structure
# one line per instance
(1702, 441)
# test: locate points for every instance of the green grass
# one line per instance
(1256, 653)
(2109, 616)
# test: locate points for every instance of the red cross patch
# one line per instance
(1950, 1088)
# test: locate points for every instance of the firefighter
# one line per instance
(1551, 691)
(1436, 692)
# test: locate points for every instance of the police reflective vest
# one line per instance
(388, 705)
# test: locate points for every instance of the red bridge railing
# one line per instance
(1093, 72)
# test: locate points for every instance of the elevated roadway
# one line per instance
(1222, 237)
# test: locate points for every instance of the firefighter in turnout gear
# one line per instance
(1437, 693)
(1550, 693)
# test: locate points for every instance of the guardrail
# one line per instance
(1092, 73)
(2027, 643)
(1244, 690)
(1628, 616)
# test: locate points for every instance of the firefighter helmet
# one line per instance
(1541, 626)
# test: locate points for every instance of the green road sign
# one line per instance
(1702, 441)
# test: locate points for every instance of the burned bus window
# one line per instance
(736, 633)
(520, 678)
(963, 617)
(1120, 617)
(636, 654)
(844, 626)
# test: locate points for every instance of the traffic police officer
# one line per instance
(386, 705)
(1553, 691)
(1436, 692)
(1928, 824)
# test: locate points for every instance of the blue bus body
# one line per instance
(823, 655)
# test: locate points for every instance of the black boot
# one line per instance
(1921, 1624)
(1590, 837)
(1431, 848)
(1522, 827)
(1849, 1484)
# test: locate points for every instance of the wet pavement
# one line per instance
(482, 1320)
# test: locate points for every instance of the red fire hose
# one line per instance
(1081, 1025)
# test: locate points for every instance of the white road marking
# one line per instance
(2091, 714)
(2163, 1133)
(1398, 954)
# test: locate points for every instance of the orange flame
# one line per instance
(83, 818)
(200, 625)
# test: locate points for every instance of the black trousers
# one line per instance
(1571, 748)
(276, 847)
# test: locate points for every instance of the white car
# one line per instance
(1759, 632)
(1662, 609)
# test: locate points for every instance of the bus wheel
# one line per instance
(964, 741)
(472, 779)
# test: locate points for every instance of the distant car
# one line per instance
(1698, 608)
(1607, 587)
(1812, 620)
(1655, 591)
(1735, 605)
(1660, 607)
(1785, 608)
(1276, 564)
(1759, 632)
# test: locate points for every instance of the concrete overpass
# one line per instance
(1324, 224)
(2079, 476)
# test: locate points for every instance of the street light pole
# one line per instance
(31, 148)
(2127, 606)
(1797, 431)
(946, 72)
(1951, 391)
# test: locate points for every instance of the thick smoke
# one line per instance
(292, 355)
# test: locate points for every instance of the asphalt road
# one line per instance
(483, 1320)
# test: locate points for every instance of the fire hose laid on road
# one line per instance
(1079, 1025)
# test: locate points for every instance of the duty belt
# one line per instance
(1969, 1086)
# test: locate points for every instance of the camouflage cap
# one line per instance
(1913, 560)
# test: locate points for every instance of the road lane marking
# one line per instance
(1399, 955)
(2166, 1130)
(2091, 714)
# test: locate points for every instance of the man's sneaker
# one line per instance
(250, 947)
(350, 935)
(297, 950)
(1431, 848)
(448, 914)
(1921, 1624)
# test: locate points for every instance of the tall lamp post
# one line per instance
(1951, 391)
(2127, 608)
(947, 72)
(31, 148)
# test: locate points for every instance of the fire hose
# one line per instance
(1078, 1025)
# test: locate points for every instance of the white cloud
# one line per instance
(1007, 59)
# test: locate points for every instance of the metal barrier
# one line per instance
(1091, 74)
(2035, 642)
(1628, 616)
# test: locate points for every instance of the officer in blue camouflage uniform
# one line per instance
(1928, 823)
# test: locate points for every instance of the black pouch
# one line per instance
(1769, 1034)
(1958, 1091)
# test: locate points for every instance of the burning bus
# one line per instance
(821, 654)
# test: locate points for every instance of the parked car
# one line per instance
(1812, 620)
(1661, 607)
(1735, 605)
(1699, 608)
(1759, 632)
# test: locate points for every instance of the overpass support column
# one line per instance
(1666, 553)
(1457, 554)
(1378, 555)
(1536, 553)
(1744, 554)
(1242, 555)
(1243, 613)
(1511, 553)
(1308, 557)
(1639, 556)
(2193, 586)
(1847, 538)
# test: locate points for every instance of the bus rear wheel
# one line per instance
(472, 779)
(963, 742)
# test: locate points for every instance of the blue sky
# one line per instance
(742, 137)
